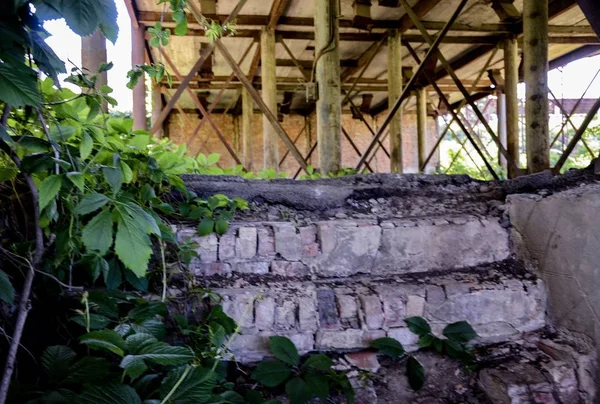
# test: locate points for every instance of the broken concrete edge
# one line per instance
(322, 194)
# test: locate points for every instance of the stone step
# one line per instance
(500, 300)
(342, 248)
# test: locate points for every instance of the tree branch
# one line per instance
(24, 305)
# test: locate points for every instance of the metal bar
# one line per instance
(205, 114)
(568, 119)
(218, 97)
(258, 100)
(356, 149)
(287, 152)
(578, 135)
(312, 149)
(453, 113)
(411, 82)
(289, 52)
(362, 118)
(277, 11)
(459, 84)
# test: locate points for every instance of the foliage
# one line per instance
(303, 379)
(313, 174)
(454, 345)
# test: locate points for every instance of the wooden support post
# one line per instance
(501, 114)
(328, 79)
(511, 81)
(93, 54)
(268, 76)
(394, 91)
(421, 95)
(535, 51)
(157, 106)
(247, 114)
(138, 49)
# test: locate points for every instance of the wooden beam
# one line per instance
(277, 10)
(579, 53)
(139, 91)
(269, 96)
(511, 81)
(133, 13)
(421, 9)
(394, 74)
(421, 96)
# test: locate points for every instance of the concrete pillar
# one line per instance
(421, 95)
(394, 91)
(511, 81)
(138, 49)
(247, 114)
(157, 107)
(328, 77)
(269, 96)
(93, 54)
(501, 113)
(535, 51)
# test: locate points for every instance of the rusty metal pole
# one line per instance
(511, 81)
(157, 106)
(268, 76)
(93, 54)
(394, 73)
(328, 79)
(247, 114)
(535, 51)
(421, 95)
(138, 49)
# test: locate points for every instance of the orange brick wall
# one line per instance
(181, 127)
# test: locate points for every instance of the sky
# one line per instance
(569, 82)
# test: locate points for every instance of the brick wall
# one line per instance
(181, 127)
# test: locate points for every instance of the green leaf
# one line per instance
(77, 179)
(196, 387)
(49, 189)
(415, 373)
(132, 245)
(134, 343)
(453, 348)
(90, 203)
(284, 350)
(97, 321)
(426, 340)
(318, 362)
(86, 146)
(134, 366)
(143, 218)
(113, 277)
(127, 173)
(97, 235)
(147, 311)
(18, 85)
(81, 16)
(108, 340)
(107, 13)
(206, 227)
(45, 58)
(221, 226)
(271, 374)
(418, 325)
(165, 354)
(153, 327)
(212, 159)
(388, 346)
(217, 335)
(181, 28)
(460, 331)
(318, 385)
(7, 291)
(56, 361)
(231, 397)
(88, 370)
(438, 344)
(109, 394)
(298, 391)
(114, 178)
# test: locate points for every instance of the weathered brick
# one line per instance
(347, 339)
(246, 244)
(435, 295)
(373, 311)
(264, 313)
(207, 248)
(266, 242)
(226, 247)
(394, 310)
(310, 250)
(328, 314)
(308, 234)
(287, 242)
(406, 337)
(364, 360)
(348, 311)
(239, 308)
(307, 314)
(415, 306)
(289, 269)
(285, 315)
(257, 268)
(327, 236)
(210, 268)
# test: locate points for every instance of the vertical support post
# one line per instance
(247, 114)
(394, 92)
(157, 106)
(93, 54)
(501, 114)
(269, 96)
(309, 136)
(138, 49)
(511, 81)
(535, 51)
(421, 95)
(328, 78)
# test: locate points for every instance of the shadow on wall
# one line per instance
(562, 233)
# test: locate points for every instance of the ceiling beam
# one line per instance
(421, 9)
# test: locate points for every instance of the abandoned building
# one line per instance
(375, 86)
